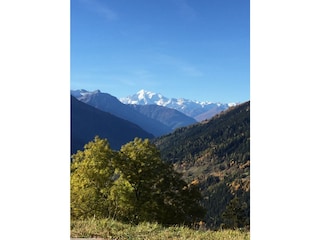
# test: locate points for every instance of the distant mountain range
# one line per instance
(168, 116)
(151, 112)
(87, 122)
(155, 119)
(195, 109)
(108, 103)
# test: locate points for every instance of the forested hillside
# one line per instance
(216, 155)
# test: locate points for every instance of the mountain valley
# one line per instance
(213, 154)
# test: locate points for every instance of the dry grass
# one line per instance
(111, 229)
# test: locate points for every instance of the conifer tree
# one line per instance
(234, 215)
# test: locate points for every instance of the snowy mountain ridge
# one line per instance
(186, 106)
(143, 97)
(194, 109)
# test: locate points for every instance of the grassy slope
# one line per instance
(111, 229)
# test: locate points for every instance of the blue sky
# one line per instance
(35, 75)
(198, 50)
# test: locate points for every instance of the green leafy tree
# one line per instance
(132, 185)
(121, 199)
(158, 193)
(92, 172)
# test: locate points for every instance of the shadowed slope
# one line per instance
(87, 122)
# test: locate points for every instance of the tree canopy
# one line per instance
(132, 185)
(91, 179)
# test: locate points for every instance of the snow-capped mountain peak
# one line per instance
(144, 97)
(143, 93)
(186, 106)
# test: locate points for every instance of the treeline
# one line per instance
(131, 185)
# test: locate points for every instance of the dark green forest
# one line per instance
(216, 155)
